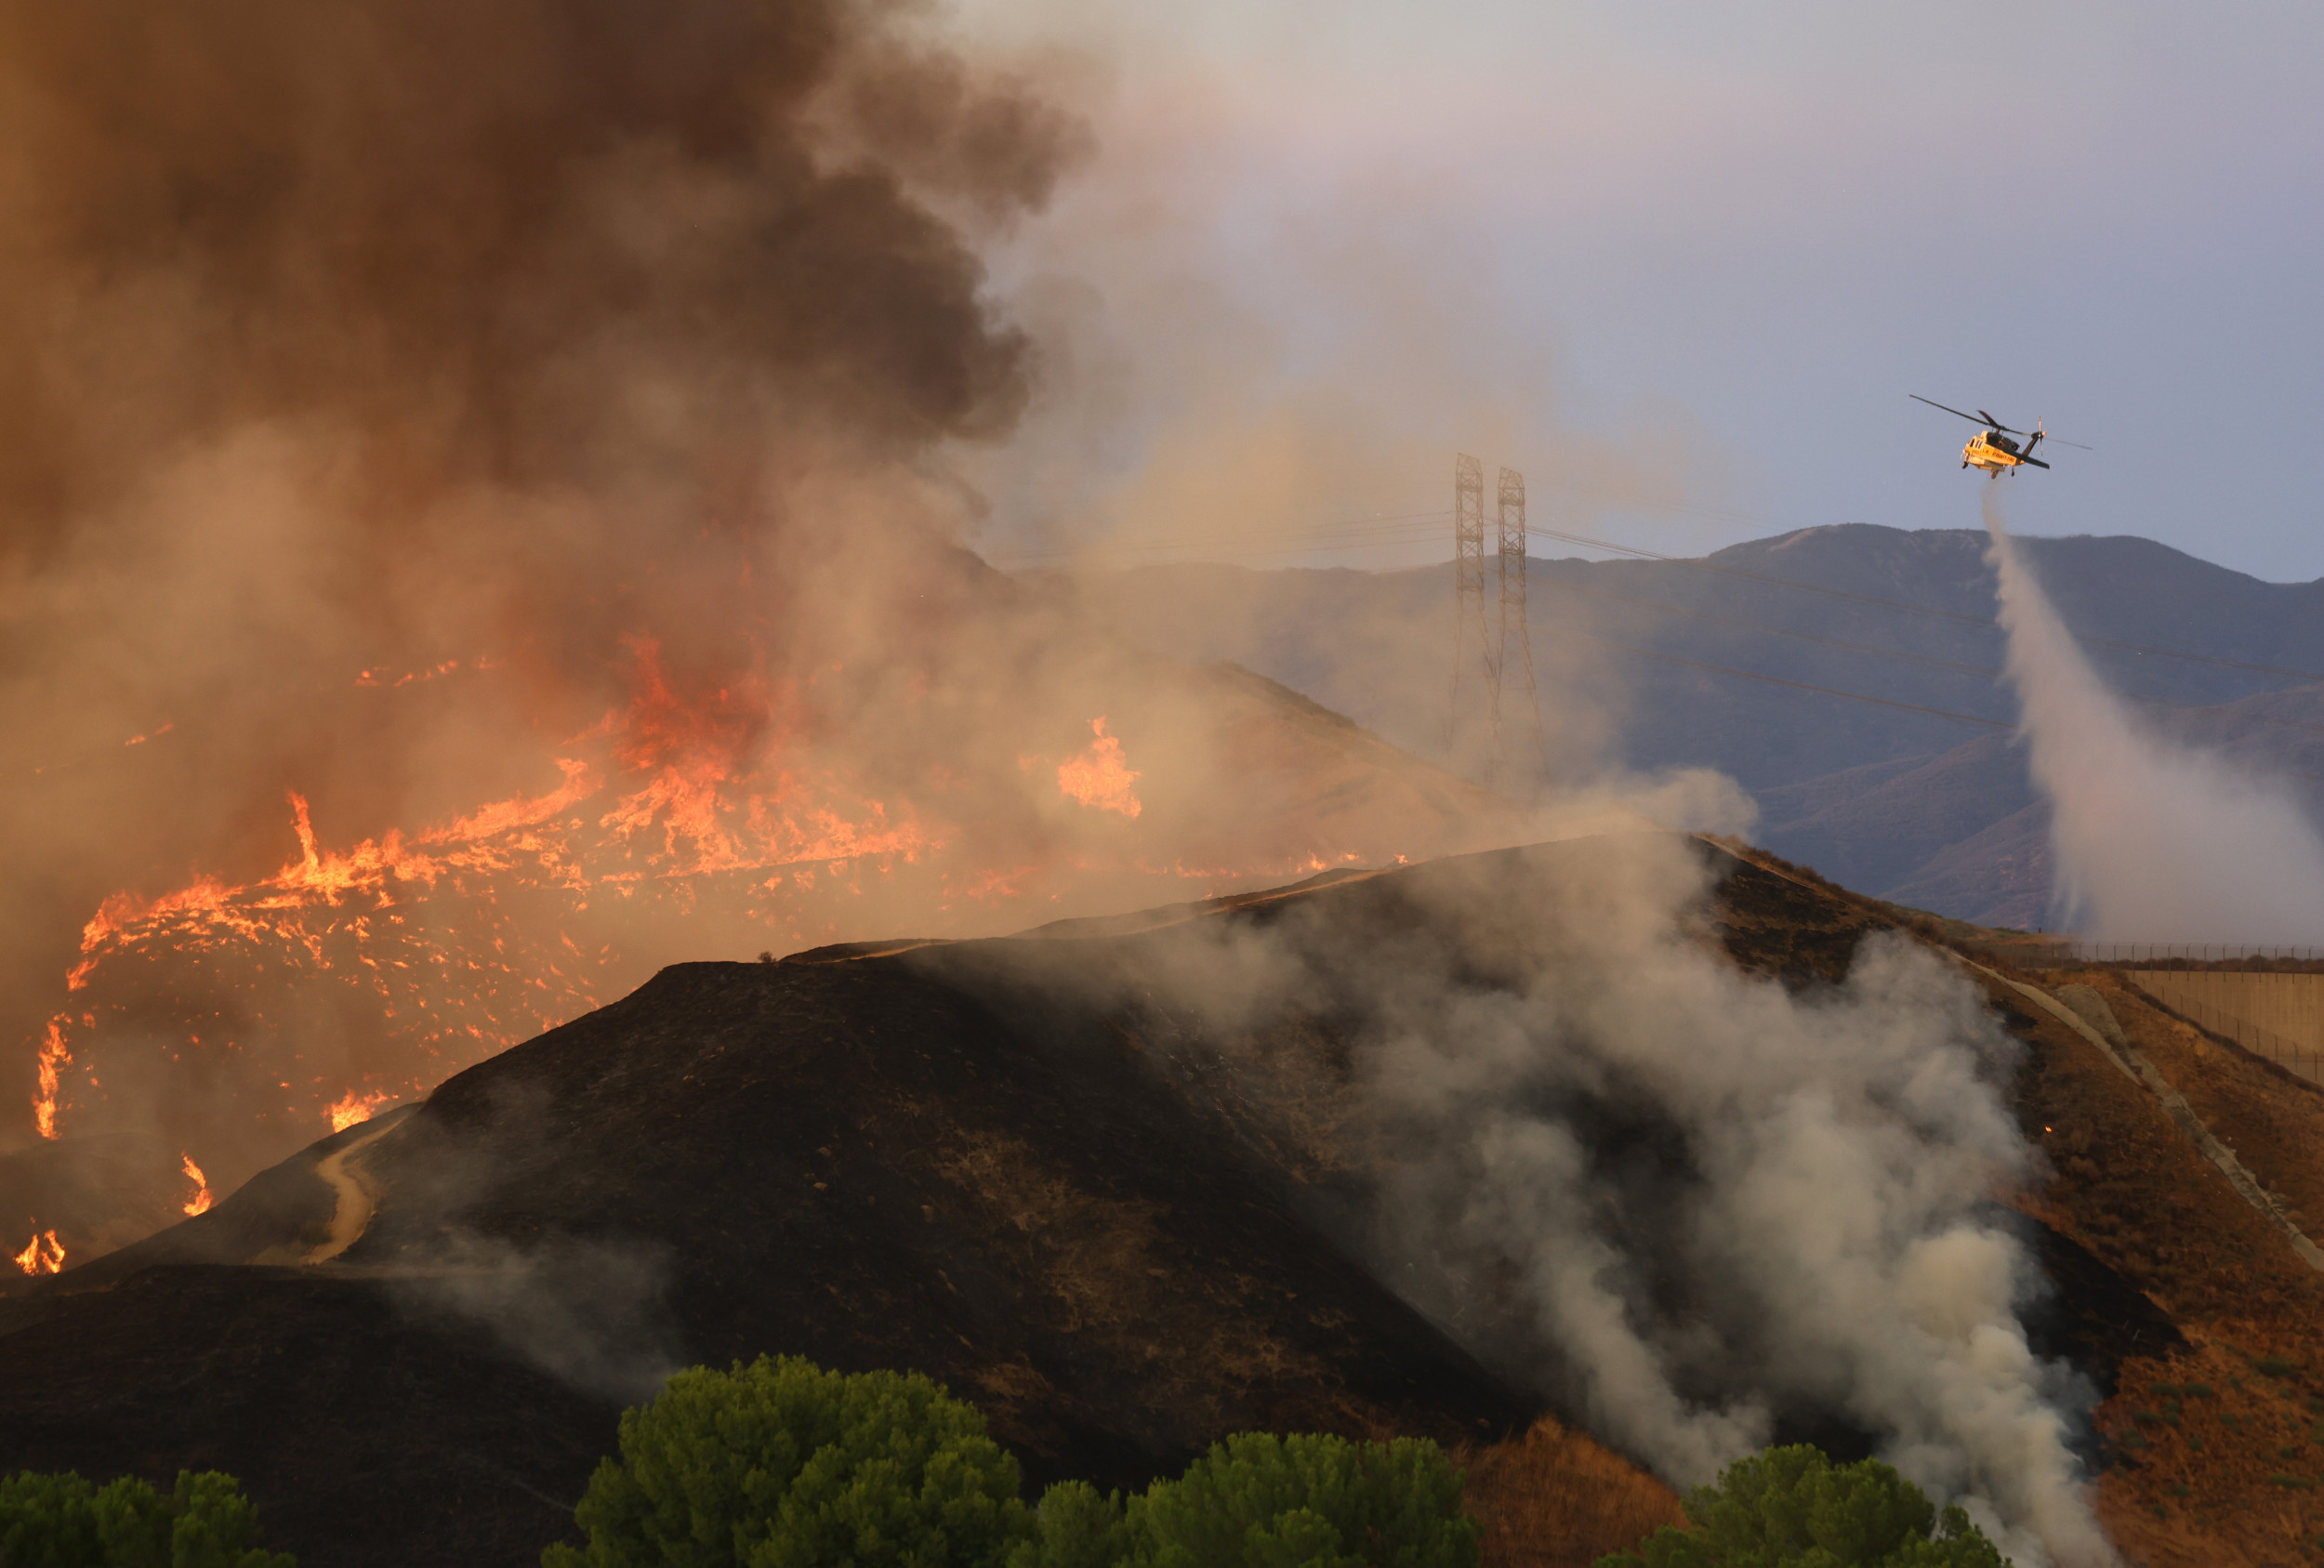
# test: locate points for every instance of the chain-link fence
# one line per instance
(2280, 1016)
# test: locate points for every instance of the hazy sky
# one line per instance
(1682, 263)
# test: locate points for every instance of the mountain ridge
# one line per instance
(1744, 661)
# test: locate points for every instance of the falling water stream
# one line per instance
(2153, 841)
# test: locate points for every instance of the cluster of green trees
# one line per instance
(63, 1522)
(1792, 1507)
(781, 1464)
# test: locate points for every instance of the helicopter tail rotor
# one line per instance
(2040, 435)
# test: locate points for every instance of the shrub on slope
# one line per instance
(63, 1522)
(781, 1464)
(1792, 1507)
(1260, 1501)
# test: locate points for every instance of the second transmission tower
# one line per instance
(1512, 659)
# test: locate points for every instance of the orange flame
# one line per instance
(1098, 776)
(54, 1059)
(206, 897)
(43, 1255)
(352, 1107)
(200, 1202)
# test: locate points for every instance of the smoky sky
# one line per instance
(449, 223)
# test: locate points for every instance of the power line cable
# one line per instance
(1388, 528)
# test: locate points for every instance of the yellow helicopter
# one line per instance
(1992, 450)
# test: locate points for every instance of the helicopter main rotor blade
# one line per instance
(1995, 423)
(2075, 444)
(1933, 403)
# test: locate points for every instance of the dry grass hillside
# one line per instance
(1553, 1499)
(2216, 1451)
(2212, 1446)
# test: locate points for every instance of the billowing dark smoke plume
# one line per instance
(569, 358)
(440, 228)
(414, 330)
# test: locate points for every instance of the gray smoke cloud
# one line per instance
(2155, 840)
(1686, 1201)
(589, 1310)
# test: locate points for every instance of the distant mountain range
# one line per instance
(1848, 677)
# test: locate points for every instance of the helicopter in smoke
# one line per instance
(1992, 450)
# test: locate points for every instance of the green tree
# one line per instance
(63, 1522)
(1308, 1501)
(1075, 1528)
(781, 1464)
(1792, 1507)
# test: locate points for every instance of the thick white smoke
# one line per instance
(2154, 840)
(1693, 1201)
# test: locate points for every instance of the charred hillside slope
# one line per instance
(1016, 1165)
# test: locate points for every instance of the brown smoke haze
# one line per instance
(415, 331)
(1237, 350)
(1260, 347)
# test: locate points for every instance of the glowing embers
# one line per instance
(315, 997)
(354, 1106)
(200, 1202)
(1099, 776)
(43, 1255)
(416, 954)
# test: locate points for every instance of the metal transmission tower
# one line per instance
(1474, 672)
(1513, 663)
